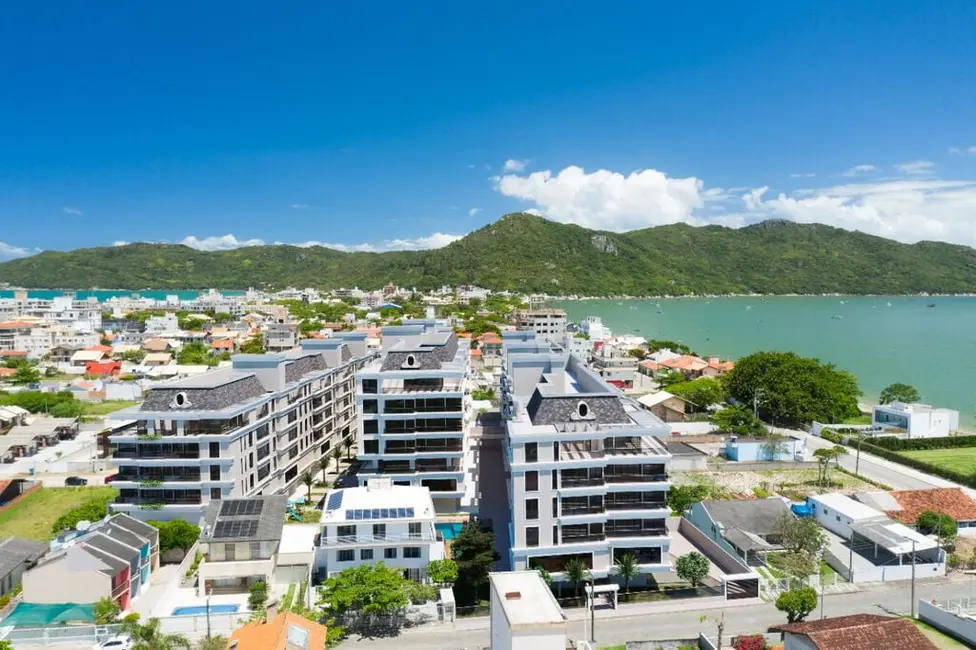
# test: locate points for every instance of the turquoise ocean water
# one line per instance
(932, 348)
(105, 294)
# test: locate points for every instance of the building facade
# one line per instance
(414, 411)
(549, 324)
(587, 469)
(918, 420)
(245, 430)
(380, 522)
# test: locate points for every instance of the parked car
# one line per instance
(121, 642)
(110, 478)
(75, 480)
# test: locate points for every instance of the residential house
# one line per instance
(745, 527)
(748, 449)
(81, 358)
(79, 574)
(16, 556)
(239, 540)
(222, 345)
(906, 505)
(280, 336)
(279, 631)
(524, 613)
(157, 359)
(103, 368)
(63, 353)
(587, 469)
(854, 632)
(917, 420)
(380, 522)
(668, 407)
(157, 344)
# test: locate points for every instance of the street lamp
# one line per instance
(592, 612)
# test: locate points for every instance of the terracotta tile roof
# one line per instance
(222, 344)
(273, 635)
(100, 348)
(860, 631)
(8, 372)
(685, 362)
(15, 325)
(952, 501)
(723, 366)
(156, 344)
(107, 368)
(475, 353)
(11, 354)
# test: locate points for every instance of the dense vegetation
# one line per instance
(521, 252)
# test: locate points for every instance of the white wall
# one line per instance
(947, 622)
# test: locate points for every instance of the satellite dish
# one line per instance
(83, 525)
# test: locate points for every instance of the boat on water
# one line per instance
(836, 317)
(888, 304)
(931, 304)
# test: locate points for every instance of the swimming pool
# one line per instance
(201, 610)
(449, 530)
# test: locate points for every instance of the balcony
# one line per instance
(582, 539)
(634, 530)
(569, 511)
(636, 505)
(193, 499)
(567, 480)
(437, 466)
(213, 427)
(146, 451)
(175, 474)
(429, 385)
(425, 449)
(636, 478)
(381, 539)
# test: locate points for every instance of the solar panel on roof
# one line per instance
(239, 528)
(335, 501)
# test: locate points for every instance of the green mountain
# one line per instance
(527, 253)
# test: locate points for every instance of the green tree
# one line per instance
(336, 453)
(670, 378)
(547, 577)
(637, 353)
(26, 375)
(253, 345)
(91, 511)
(257, 595)
(627, 568)
(134, 356)
(773, 448)
(176, 533)
(150, 636)
(798, 563)
(347, 445)
(824, 458)
(106, 611)
(442, 571)
(899, 392)
(419, 594)
(738, 420)
(474, 552)
(940, 524)
(702, 392)
(692, 567)
(308, 480)
(790, 389)
(6, 645)
(680, 497)
(797, 603)
(369, 589)
(577, 573)
(217, 642)
(801, 534)
(195, 354)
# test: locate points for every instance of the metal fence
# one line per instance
(77, 636)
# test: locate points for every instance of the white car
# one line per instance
(121, 642)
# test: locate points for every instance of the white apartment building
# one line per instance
(918, 420)
(280, 336)
(168, 322)
(549, 324)
(587, 468)
(380, 522)
(577, 346)
(414, 411)
(594, 328)
(244, 430)
(63, 310)
(39, 341)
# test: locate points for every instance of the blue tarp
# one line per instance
(38, 615)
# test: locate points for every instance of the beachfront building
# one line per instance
(587, 468)
(918, 420)
(380, 522)
(549, 324)
(415, 413)
(248, 429)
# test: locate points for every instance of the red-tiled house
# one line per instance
(951, 501)
(104, 349)
(222, 345)
(103, 368)
(856, 632)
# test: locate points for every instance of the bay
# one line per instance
(880, 339)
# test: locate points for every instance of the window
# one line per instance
(214, 472)
(379, 531)
(389, 554)
(555, 450)
(369, 386)
(414, 530)
(555, 507)
(366, 554)
(411, 552)
(532, 481)
(346, 555)
(370, 406)
(531, 452)
(532, 536)
(555, 479)
(215, 450)
(531, 508)
(555, 535)
(838, 517)
(371, 426)
(230, 552)
(582, 409)
(215, 494)
(346, 531)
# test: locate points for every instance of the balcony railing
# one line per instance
(213, 427)
(425, 449)
(572, 481)
(150, 453)
(578, 539)
(636, 478)
(438, 467)
(174, 501)
(636, 505)
(380, 539)
(189, 476)
(636, 532)
(568, 511)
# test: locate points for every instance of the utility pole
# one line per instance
(755, 401)
(857, 462)
(913, 578)
(593, 612)
(850, 560)
(209, 592)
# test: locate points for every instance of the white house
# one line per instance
(838, 512)
(379, 522)
(919, 420)
(524, 613)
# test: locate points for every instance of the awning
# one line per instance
(893, 537)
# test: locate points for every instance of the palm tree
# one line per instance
(151, 637)
(627, 569)
(315, 468)
(337, 454)
(576, 572)
(213, 643)
(347, 445)
(307, 480)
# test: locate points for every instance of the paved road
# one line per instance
(641, 626)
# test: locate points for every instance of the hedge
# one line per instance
(947, 442)
(969, 480)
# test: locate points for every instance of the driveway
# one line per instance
(493, 495)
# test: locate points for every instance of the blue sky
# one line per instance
(402, 125)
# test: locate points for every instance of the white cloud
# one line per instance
(299, 206)
(607, 200)
(962, 151)
(120, 242)
(219, 243)
(74, 211)
(916, 167)
(514, 165)
(803, 175)
(473, 211)
(10, 252)
(472, 166)
(860, 169)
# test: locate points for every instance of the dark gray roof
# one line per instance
(121, 534)
(427, 356)
(682, 449)
(114, 547)
(15, 551)
(213, 398)
(108, 558)
(302, 366)
(135, 526)
(757, 516)
(551, 409)
(345, 353)
(269, 520)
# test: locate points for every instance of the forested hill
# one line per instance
(522, 252)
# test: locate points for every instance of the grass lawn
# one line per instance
(107, 406)
(941, 641)
(961, 459)
(860, 419)
(33, 517)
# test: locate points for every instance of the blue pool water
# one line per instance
(449, 530)
(201, 610)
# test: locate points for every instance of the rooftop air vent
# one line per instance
(583, 412)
